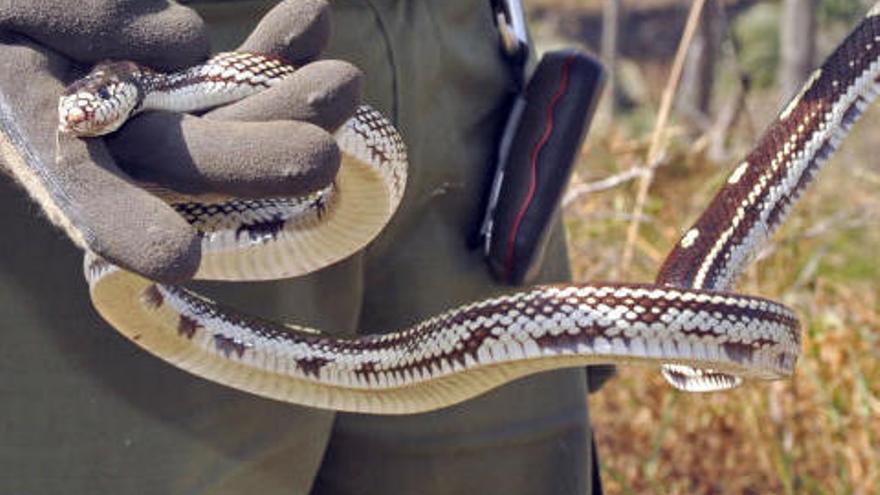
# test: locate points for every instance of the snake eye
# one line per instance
(104, 93)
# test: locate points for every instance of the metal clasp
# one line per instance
(511, 19)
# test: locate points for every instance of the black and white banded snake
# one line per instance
(705, 338)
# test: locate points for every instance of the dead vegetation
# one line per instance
(816, 433)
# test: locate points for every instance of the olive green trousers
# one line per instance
(84, 411)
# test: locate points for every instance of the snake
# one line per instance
(689, 321)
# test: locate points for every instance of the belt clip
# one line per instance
(487, 226)
(511, 19)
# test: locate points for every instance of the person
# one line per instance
(84, 411)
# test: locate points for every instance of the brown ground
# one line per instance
(816, 433)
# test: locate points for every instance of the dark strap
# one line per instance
(597, 476)
(554, 115)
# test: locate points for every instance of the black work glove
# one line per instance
(87, 187)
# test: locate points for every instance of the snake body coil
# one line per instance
(707, 339)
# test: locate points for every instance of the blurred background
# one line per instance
(643, 179)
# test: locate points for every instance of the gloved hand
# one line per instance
(86, 186)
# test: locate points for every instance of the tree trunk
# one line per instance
(698, 79)
(609, 49)
(797, 44)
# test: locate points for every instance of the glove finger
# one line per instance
(76, 182)
(122, 222)
(197, 156)
(156, 33)
(294, 30)
(325, 93)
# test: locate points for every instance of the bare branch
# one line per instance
(658, 143)
(580, 189)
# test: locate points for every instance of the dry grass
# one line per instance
(816, 433)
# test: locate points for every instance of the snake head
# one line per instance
(102, 101)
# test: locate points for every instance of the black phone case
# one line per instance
(559, 102)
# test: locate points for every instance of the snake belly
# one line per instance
(706, 339)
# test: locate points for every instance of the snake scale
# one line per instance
(704, 337)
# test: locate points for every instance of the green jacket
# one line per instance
(84, 411)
